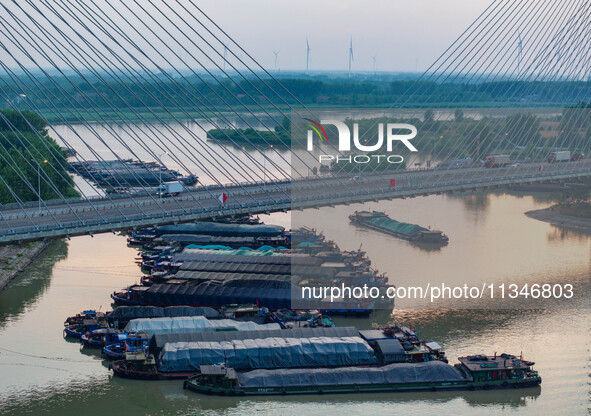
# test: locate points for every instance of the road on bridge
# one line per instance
(81, 216)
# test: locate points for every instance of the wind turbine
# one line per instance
(307, 56)
(276, 53)
(350, 55)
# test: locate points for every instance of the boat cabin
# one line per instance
(501, 367)
(217, 376)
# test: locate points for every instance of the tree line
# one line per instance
(29, 157)
(193, 95)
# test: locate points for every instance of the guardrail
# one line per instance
(299, 201)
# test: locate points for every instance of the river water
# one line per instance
(490, 240)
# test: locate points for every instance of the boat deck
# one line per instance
(497, 363)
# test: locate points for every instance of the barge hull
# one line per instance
(380, 388)
(121, 301)
(383, 230)
(120, 371)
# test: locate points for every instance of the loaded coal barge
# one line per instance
(379, 221)
(472, 373)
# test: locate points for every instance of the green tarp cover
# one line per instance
(397, 227)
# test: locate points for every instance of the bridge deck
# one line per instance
(104, 215)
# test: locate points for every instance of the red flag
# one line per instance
(223, 198)
(392, 182)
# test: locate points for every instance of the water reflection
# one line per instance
(23, 291)
(169, 398)
(44, 375)
(513, 398)
(477, 201)
(558, 235)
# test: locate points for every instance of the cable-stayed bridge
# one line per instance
(102, 215)
(140, 70)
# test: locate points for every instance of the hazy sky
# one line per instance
(397, 32)
(403, 35)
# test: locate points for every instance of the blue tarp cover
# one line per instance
(266, 353)
(191, 324)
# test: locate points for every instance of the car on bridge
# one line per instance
(497, 161)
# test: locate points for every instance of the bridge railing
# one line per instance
(255, 205)
(141, 193)
(122, 219)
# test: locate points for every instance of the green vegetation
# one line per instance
(280, 136)
(523, 136)
(574, 202)
(90, 99)
(581, 209)
(27, 152)
(518, 134)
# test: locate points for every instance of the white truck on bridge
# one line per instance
(170, 189)
(562, 156)
(497, 161)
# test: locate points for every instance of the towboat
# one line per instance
(132, 344)
(101, 337)
(87, 325)
(289, 318)
(139, 365)
(84, 315)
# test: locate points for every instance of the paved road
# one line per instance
(104, 215)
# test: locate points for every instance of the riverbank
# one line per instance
(14, 259)
(560, 220)
(63, 380)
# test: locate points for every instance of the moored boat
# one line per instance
(302, 319)
(142, 366)
(498, 372)
(84, 315)
(87, 325)
(134, 343)
(274, 295)
(121, 316)
(173, 356)
(99, 338)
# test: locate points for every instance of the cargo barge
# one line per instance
(274, 295)
(472, 373)
(176, 356)
(219, 229)
(213, 278)
(128, 173)
(121, 316)
(379, 221)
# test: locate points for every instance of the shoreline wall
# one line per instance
(14, 259)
